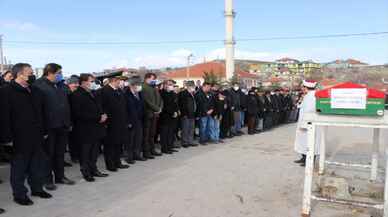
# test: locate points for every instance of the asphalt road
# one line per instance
(250, 176)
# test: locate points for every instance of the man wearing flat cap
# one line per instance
(135, 111)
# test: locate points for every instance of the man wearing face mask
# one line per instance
(57, 121)
(135, 111)
(114, 105)
(153, 105)
(88, 126)
(169, 117)
(235, 95)
(188, 109)
(21, 121)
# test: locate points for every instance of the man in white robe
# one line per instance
(307, 106)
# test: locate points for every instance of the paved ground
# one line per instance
(249, 176)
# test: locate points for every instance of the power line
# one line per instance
(194, 41)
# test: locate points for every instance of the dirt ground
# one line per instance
(248, 176)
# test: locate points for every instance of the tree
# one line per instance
(211, 77)
(234, 80)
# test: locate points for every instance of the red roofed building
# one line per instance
(196, 72)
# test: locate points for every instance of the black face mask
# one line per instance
(31, 79)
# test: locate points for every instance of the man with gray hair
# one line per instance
(135, 110)
(188, 109)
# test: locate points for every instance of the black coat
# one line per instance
(252, 105)
(135, 109)
(187, 104)
(170, 101)
(235, 99)
(204, 103)
(114, 105)
(56, 105)
(21, 117)
(87, 113)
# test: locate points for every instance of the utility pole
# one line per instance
(229, 40)
(1, 55)
(188, 66)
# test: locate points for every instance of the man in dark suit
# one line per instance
(57, 117)
(169, 117)
(115, 106)
(88, 127)
(22, 123)
(135, 111)
(188, 109)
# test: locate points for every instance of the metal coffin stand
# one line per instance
(313, 120)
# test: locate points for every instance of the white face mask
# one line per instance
(236, 88)
(138, 88)
(126, 84)
(170, 88)
(94, 86)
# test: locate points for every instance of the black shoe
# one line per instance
(194, 145)
(186, 146)
(112, 169)
(148, 156)
(2, 211)
(1, 181)
(123, 166)
(299, 161)
(99, 174)
(65, 181)
(303, 164)
(221, 141)
(23, 201)
(154, 153)
(167, 152)
(75, 160)
(174, 150)
(203, 143)
(251, 133)
(140, 159)
(89, 179)
(41, 194)
(50, 187)
(130, 161)
(67, 164)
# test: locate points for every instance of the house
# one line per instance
(196, 72)
(344, 64)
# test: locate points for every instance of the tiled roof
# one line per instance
(198, 70)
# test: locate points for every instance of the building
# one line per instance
(197, 72)
(344, 64)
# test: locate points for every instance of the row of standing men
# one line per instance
(43, 117)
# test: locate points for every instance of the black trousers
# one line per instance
(268, 120)
(167, 135)
(74, 148)
(134, 146)
(88, 158)
(251, 120)
(149, 135)
(226, 124)
(55, 146)
(28, 165)
(112, 155)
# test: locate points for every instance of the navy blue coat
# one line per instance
(135, 109)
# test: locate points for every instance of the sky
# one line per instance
(181, 20)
